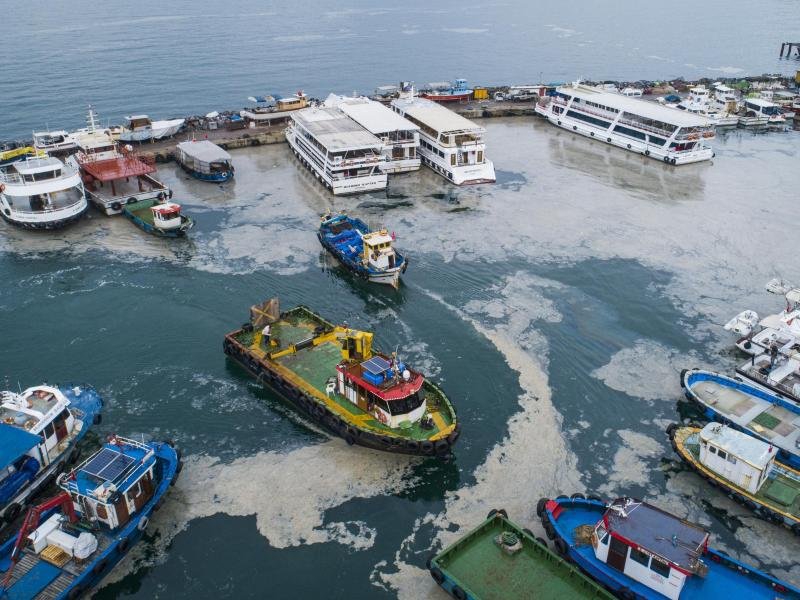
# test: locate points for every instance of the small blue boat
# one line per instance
(368, 254)
(747, 407)
(639, 551)
(67, 544)
(40, 429)
(205, 160)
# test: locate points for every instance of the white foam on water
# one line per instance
(629, 466)
(648, 370)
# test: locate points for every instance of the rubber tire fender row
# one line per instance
(541, 506)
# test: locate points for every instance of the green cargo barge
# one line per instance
(333, 376)
(500, 561)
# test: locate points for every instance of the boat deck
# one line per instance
(784, 376)
(312, 368)
(774, 423)
(781, 490)
(483, 568)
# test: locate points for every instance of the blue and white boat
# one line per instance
(639, 551)
(67, 544)
(369, 254)
(205, 160)
(748, 407)
(39, 432)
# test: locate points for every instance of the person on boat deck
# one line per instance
(265, 336)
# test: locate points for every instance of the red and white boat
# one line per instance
(457, 92)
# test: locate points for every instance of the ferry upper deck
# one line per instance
(334, 131)
(436, 120)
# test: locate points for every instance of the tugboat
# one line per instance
(67, 544)
(369, 254)
(748, 407)
(333, 376)
(159, 217)
(499, 559)
(640, 551)
(39, 432)
(205, 160)
(744, 468)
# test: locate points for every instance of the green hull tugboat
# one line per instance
(332, 375)
(500, 561)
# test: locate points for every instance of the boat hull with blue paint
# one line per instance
(346, 237)
(748, 407)
(725, 577)
(204, 160)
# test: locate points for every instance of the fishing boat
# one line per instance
(445, 92)
(113, 175)
(748, 407)
(744, 467)
(640, 551)
(332, 375)
(41, 193)
(672, 136)
(698, 102)
(759, 336)
(67, 544)
(159, 217)
(369, 254)
(205, 160)
(54, 143)
(139, 128)
(500, 560)
(40, 429)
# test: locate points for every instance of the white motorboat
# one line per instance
(41, 193)
(139, 128)
(781, 330)
(743, 323)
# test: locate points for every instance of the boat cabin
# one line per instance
(378, 250)
(138, 122)
(296, 102)
(738, 457)
(382, 386)
(650, 546)
(114, 483)
(758, 107)
(167, 215)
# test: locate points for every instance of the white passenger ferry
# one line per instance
(400, 136)
(449, 144)
(637, 125)
(344, 156)
(41, 193)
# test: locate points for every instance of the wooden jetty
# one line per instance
(787, 47)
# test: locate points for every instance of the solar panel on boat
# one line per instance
(108, 464)
(376, 365)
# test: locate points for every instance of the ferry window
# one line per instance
(629, 132)
(731, 459)
(657, 140)
(640, 557)
(712, 449)
(453, 160)
(588, 119)
(722, 454)
(480, 156)
(659, 567)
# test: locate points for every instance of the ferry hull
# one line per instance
(726, 576)
(467, 175)
(45, 221)
(324, 417)
(603, 135)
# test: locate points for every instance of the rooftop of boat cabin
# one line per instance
(635, 106)
(204, 150)
(659, 532)
(118, 463)
(336, 131)
(738, 444)
(373, 116)
(29, 410)
(435, 115)
(120, 167)
(392, 388)
(38, 164)
(14, 442)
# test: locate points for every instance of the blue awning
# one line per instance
(14, 442)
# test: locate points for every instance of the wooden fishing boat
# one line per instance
(640, 551)
(748, 407)
(67, 544)
(333, 376)
(369, 254)
(158, 217)
(205, 160)
(744, 467)
(498, 560)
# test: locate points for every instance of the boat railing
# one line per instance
(657, 130)
(49, 209)
(7, 176)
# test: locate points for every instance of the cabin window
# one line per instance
(712, 449)
(588, 119)
(406, 405)
(661, 568)
(731, 459)
(49, 430)
(453, 160)
(722, 454)
(657, 140)
(101, 511)
(640, 557)
(629, 132)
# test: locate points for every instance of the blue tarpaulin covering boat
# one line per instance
(369, 254)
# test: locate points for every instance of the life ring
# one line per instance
(591, 133)
(116, 206)
(629, 146)
(142, 524)
(666, 159)
(608, 140)
(673, 161)
(574, 128)
(647, 152)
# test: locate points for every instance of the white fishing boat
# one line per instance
(139, 128)
(400, 136)
(54, 142)
(662, 133)
(699, 103)
(344, 157)
(631, 92)
(761, 112)
(41, 193)
(449, 144)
